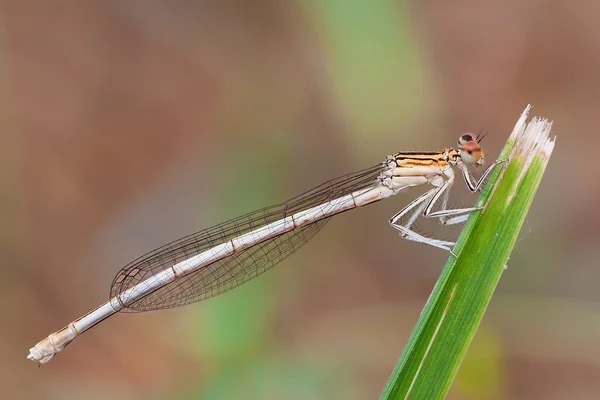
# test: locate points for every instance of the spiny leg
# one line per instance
(470, 179)
(443, 212)
(473, 187)
(417, 207)
(415, 213)
(441, 218)
(459, 214)
(426, 203)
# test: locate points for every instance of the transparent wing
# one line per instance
(238, 268)
(229, 272)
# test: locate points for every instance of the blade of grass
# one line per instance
(456, 306)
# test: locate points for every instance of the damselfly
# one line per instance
(220, 258)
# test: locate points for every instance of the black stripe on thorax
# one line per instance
(414, 153)
(421, 155)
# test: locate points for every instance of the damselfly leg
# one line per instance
(426, 203)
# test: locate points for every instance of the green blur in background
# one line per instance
(129, 124)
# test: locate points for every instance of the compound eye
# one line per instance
(466, 138)
(471, 153)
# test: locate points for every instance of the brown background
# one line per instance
(126, 124)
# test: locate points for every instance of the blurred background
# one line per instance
(127, 124)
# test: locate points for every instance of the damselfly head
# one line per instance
(470, 137)
(466, 138)
(470, 150)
